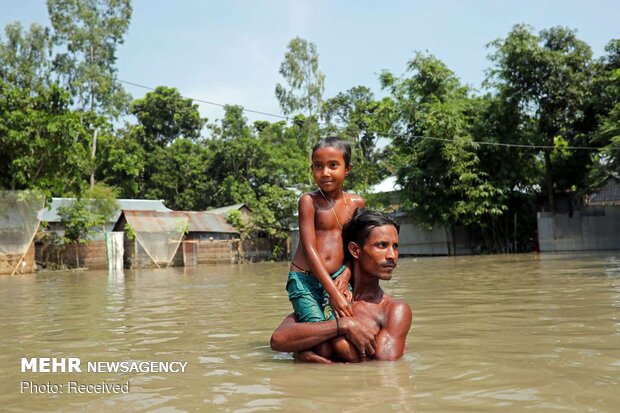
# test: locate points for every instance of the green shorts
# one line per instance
(309, 298)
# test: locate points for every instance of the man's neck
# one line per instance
(366, 288)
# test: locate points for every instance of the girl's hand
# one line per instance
(343, 286)
(308, 356)
(340, 306)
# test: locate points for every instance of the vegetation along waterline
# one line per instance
(542, 132)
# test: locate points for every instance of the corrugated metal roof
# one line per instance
(50, 214)
(223, 210)
(198, 221)
(608, 194)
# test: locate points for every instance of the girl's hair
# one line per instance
(362, 224)
(336, 143)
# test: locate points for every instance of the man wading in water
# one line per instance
(380, 324)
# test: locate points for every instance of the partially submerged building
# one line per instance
(51, 214)
(176, 238)
(93, 254)
(593, 224)
(244, 209)
(19, 222)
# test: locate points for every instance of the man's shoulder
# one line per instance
(398, 309)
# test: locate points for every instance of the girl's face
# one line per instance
(328, 169)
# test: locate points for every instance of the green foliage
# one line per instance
(543, 89)
(273, 212)
(164, 116)
(182, 227)
(441, 177)
(178, 175)
(25, 56)
(90, 31)
(85, 215)
(44, 144)
(161, 156)
(606, 106)
(300, 70)
(122, 163)
(357, 117)
(131, 233)
(548, 76)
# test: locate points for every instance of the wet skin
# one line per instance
(322, 213)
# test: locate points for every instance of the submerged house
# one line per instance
(52, 218)
(20, 215)
(176, 238)
(608, 194)
(92, 255)
(244, 209)
(592, 225)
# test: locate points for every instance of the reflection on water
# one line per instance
(513, 333)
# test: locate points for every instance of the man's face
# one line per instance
(379, 254)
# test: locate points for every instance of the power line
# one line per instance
(512, 145)
(221, 105)
(508, 145)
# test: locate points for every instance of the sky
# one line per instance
(229, 52)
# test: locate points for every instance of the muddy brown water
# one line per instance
(534, 333)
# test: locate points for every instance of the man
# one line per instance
(380, 323)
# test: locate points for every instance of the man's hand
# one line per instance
(360, 334)
(340, 306)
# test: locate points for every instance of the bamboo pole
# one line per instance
(26, 252)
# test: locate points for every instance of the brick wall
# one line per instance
(9, 261)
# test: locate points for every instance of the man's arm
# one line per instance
(294, 337)
(391, 339)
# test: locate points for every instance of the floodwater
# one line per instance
(535, 333)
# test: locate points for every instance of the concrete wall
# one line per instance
(418, 240)
(591, 228)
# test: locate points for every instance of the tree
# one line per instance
(433, 153)
(122, 162)
(178, 175)
(236, 153)
(25, 57)
(300, 70)
(257, 166)
(355, 115)
(160, 156)
(42, 143)
(514, 170)
(164, 115)
(548, 76)
(90, 31)
(85, 215)
(606, 107)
